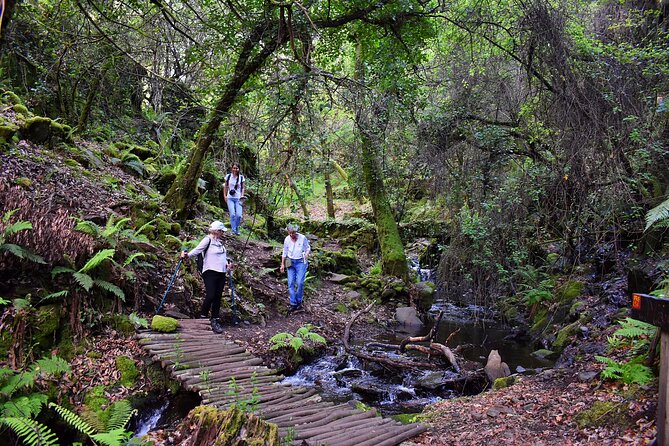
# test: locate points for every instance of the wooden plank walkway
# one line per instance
(209, 364)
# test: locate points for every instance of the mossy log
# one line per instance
(207, 425)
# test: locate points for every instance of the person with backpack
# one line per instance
(233, 194)
(215, 264)
(296, 251)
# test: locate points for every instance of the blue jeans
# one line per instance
(296, 274)
(235, 210)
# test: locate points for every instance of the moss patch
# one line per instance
(501, 383)
(164, 324)
(604, 413)
(128, 369)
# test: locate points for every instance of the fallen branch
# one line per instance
(427, 338)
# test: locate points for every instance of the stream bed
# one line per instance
(341, 377)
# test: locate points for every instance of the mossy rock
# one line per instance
(123, 325)
(142, 153)
(7, 132)
(9, 97)
(425, 292)
(95, 399)
(569, 291)
(164, 181)
(504, 382)
(340, 262)
(128, 369)
(562, 337)
(20, 108)
(164, 324)
(36, 129)
(539, 321)
(46, 323)
(406, 418)
(604, 413)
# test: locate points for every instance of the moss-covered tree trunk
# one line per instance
(371, 118)
(258, 46)
(329, 196)
(393, 258)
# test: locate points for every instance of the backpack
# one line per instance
(199, 258)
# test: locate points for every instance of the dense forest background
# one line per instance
(526, 127)
(525, 137)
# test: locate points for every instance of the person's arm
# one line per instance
(284, 253)
(241, 191)
(225, 189)
(306, 248)
(204, 243)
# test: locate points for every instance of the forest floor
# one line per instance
(539, 409)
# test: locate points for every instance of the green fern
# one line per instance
(114, 437)
(297, 343)
(107, 286)
(132, 257)
(55, 366)
(121, 412)
(73, 419)
(24, 406)
(658, 215)
(138, 321)
(629, 373)
(88, 227)
(98, 259)
(30, 431)
(632, 328)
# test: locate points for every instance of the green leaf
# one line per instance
(30, 431)
(8, 215)
(121, 411)
(24, 406)
(97, 259)
(88, 227)
(133, 257)
(56, 295)
(114, 437)
(72, 419)
(107, 286)
(84, 280)
(657, 214)
(60, 270)
(17, 227)
(138, 321)
(297, 343)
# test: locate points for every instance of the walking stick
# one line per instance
(168, 286)
(232, 301)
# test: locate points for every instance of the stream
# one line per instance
(340, 377)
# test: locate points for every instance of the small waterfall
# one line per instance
(423, 274)
(149, 420)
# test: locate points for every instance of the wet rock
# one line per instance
(367, 390)
(338, 278)
(544, 354)
(495, 368)
(347, 373)
(587, 376)
(408, 316)
(431, 381)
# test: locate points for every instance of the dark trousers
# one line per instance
(214, 282)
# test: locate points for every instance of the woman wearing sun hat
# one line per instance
(215, 265)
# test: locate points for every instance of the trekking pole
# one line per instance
(232, 301)
(168, 286)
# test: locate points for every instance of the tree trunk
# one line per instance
(92, 92)
(329, 196)
(300, 198)
(370, 125)
(182, 195)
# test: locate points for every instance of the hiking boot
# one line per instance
(216, 326)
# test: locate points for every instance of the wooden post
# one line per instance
(655, 310)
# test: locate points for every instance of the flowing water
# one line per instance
(341, 377)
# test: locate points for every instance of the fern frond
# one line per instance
(132, 257)
(21, 252)
(97, 259)
(55, 365)
(120, 413)
(114, 437)
(60, 270)
(84, 280)
(297, 343)
(94, 419)
(24, 406)
(315, 337)
(56, 295)
(72, 419)
(632, 328)
(88, 227)
(303, 330)
(17, 382)
(107, 286)
(30, 431)
(114, 227)
(657, 214)
(138, 321)
(7, 215)
(17, 227)
(145, 226)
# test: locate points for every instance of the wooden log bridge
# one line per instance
(224, 373)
